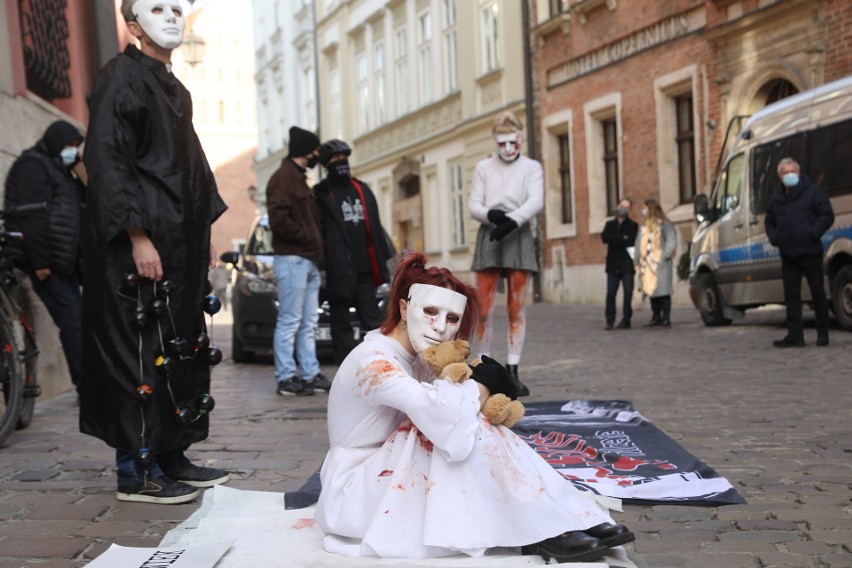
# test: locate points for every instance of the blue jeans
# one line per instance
(298, 313)
(131, 472)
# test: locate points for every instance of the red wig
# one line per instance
(412, 270)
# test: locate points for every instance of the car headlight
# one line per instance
(260, 286)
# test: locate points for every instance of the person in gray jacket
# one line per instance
(652, 257)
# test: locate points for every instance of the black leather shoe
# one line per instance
(665, 323)
(574, 546)
(623, 324)
(608, 327)
(822, 340)
(789, 342)
(655, 321)
(611, 535)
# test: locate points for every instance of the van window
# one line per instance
(830, 158)
(764, 167)
(261, 241)
(729, 188)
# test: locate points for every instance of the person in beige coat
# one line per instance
(652, 257)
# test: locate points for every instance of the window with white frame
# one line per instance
(400, 48)
(424, 55)
(334, 101)
(362, 86)
(678, 141)
(489, 11)
(379, 76)
(458, 212)
(565, 190)
(604, 153)
(451, 62)
(309, 93)
(685, 141)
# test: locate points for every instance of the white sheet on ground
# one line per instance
(265, 534)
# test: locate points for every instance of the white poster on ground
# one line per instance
(195, 556)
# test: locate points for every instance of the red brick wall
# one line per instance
(838, 52)
(234, 178)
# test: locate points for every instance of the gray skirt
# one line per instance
(515, 251)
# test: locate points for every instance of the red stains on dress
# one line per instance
(376, 373)
(304, 524)
(406, 427)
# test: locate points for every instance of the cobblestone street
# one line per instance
(776, 423)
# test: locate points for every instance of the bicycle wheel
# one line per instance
(11, 379)
(29, 354)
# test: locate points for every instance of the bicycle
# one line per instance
(18, 350)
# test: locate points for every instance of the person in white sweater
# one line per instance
(507, 192)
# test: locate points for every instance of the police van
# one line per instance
(733, 267)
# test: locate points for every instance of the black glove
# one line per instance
(500, 231)
(493, 376)
(496, 216)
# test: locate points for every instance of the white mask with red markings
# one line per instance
(433, 315)
(163, 21)
(508, 146)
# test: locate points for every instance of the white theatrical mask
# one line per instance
(162, 21)
(508, 146)
(434, 315)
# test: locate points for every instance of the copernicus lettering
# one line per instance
(655, 34)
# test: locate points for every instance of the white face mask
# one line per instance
(508, 146)
(162, 20)
(433, 315)
(69, 155)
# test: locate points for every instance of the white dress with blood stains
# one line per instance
(414, 471)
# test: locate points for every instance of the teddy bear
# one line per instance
(449, 360)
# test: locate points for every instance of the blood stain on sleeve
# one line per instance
(375, 373)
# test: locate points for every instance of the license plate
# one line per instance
(323, 333)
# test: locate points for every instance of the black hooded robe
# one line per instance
(146, 169)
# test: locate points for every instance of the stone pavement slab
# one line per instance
(776, 423)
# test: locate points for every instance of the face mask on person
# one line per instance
(339, 170)
(433, 315)
(69, 155)
(622, 212)
(312, 162)
(508, 146)
(644, 212)
(790, 179)
(162, 20)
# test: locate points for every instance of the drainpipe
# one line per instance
(532, 140)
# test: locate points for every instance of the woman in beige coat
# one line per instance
(652, 257)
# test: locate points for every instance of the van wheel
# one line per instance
(841, 297)
(710, 302)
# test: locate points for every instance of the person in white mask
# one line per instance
(146, 381)
(411, 452)
(507, 192)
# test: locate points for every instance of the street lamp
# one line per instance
(193, 49)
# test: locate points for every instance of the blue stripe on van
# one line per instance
(762, 251)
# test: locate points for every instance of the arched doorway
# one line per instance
(407, 209)
(772, 91)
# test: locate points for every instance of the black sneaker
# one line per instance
(160, 490)
(789, 342)
(574, 546)
(319, 383)
(197, 476)
(294, 386)
(623, 324)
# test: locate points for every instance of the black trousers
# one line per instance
(60, 294)
(792, 271)
(369, 316)
(612, 282)
(661, 307)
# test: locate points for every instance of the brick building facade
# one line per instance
(636, 97)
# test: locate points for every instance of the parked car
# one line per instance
(254, 298)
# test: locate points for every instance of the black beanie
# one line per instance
(302, 142)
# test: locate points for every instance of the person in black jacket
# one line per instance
(798, 215)
(619, 235)
(51, 248)
(354, 247)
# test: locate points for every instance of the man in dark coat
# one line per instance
(798, 215)
(50, 251)
(152, 199)
(297, 243)
(619, 235)
(355, 249)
